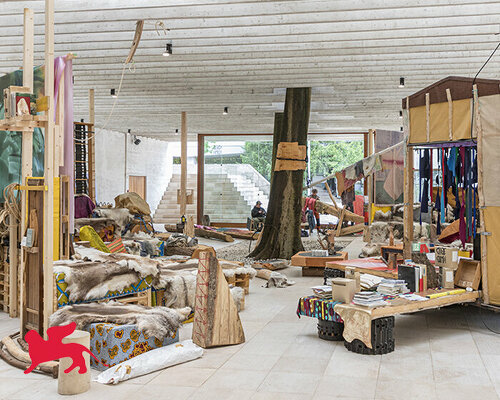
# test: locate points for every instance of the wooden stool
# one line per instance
(73, 382)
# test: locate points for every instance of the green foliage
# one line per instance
(259, 156)
(329, 157)
(209, 147)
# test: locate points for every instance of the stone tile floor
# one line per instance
(445, 354)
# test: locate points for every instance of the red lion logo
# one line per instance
(53, 349)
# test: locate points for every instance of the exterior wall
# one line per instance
(151, 158)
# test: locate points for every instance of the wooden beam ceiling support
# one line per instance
(183, 163)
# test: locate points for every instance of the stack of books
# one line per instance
(369, 282)
(323, 292)
(369, 299)
(392, 287)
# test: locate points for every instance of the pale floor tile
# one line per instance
(265, 347)
(290, 382)
(346, 387)
(157, 391)
(310, 365)
(319, 349)
(280, 396)
(410, 368)
(492, 364)
(345, 363)
(222, 394)
(183, 375)
(462, 374)
(235, 380)
(251, 362)
(389, 389)
(457, 391)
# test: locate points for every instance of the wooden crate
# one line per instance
(141, 298)
(314, 266)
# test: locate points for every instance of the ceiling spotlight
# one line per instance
(401, 82)
(400, 114)
(401, 129)
(177, 131)
(168, 50)
(226, 111)
(128, 130)
(113, 93)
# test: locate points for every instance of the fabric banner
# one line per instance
(389, 184)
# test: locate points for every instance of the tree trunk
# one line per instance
(281, 233)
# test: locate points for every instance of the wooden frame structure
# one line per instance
(449, 111)
(52, 160)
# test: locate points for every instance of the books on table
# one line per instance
(369, 299)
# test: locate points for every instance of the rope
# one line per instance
(11, 210)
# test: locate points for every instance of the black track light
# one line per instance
(401, 82)
(113, 93)
(400, 114)
(226, 111)
(168, 50)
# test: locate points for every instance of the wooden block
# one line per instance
(216, 319)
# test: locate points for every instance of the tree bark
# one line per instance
(281, 232)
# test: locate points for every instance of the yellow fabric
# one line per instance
(87, 233)
(439, 128)
(377, 208)
(439, 131)
(461, 119)
(492, 225)
(57, 218)
(489, 108)
(418, 125)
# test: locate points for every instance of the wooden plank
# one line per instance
(199, 179)
(216, 319)
(408, 192)
(183, 163)
(340, 222)
(139, 26)
(428, 117)
(450, 114)
(371, 177)
(28, 47)
(479, 134)
(91, 146)
(189, 226)
(48, 220)
(331, 195)
(348, 230)
(415, 306)
(13, 267)
(324, 208)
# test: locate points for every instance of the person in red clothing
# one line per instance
(310, 210)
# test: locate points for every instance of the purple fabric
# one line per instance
(463, 226)
(83, 207)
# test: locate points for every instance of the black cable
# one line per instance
(484, 323)
(473, 82)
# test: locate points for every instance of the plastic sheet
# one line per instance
(151, 361)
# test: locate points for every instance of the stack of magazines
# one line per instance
(369, 299)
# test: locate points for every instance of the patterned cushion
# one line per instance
(116, 246)
(113, 343)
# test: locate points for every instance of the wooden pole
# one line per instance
(48, 217)
(199, 179)
(371, 147)
(26, 160)
(183, 163)
(408, 193)
(479, 135)
(91, 146)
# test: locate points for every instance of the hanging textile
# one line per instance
(425, 171)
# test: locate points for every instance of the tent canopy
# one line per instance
(446, 115)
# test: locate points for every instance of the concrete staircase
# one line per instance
(168, 211)
(230, 194)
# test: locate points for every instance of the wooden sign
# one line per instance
(290, 157)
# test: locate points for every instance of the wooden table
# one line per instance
(371, 265)
(314, 266)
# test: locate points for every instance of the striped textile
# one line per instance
(116, 246)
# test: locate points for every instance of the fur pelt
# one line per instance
(97, 223)
(371, 250)
(238, 295)
(142, 265)
(121, 216)
(155, 321)
(89, 280)
(278, 280)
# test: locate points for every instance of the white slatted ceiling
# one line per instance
(236, 53)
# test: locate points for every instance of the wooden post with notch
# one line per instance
(183, 198)
(408, 192)
(49, 172)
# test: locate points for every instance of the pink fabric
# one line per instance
(63, 69)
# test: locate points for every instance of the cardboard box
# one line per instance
(447, 257)
(343, 289)
(468, 274)
(350, 273)
(447, 278)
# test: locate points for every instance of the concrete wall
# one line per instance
(151, 158)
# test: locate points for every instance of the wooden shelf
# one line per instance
(24, 122)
